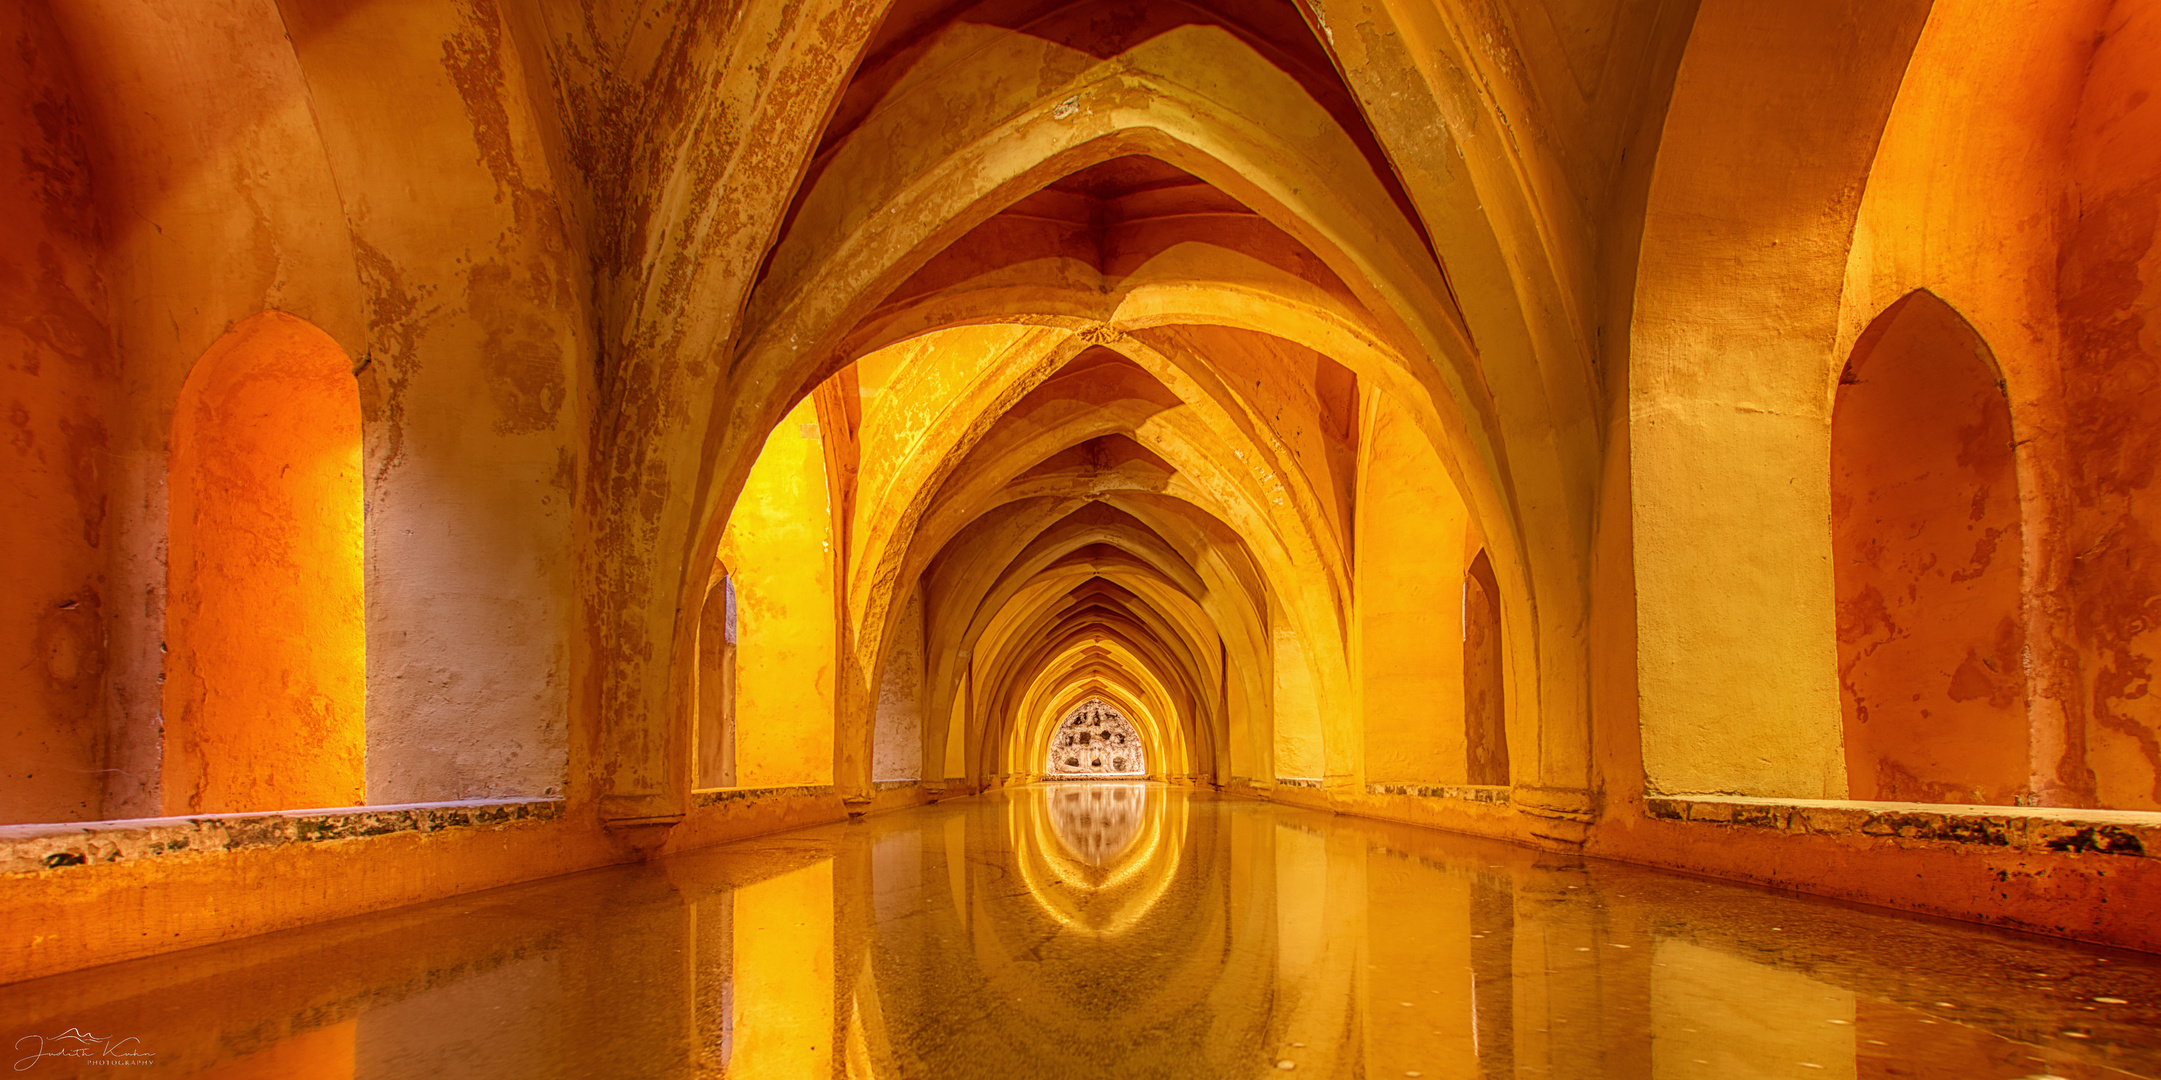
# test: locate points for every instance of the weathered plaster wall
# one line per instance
(218, 204)
(265, 690)
(1967, 199)
(194, 113)
(1924, 517)
(206, 135)
(692, 132)
(899, 753)
(779, 549)
(2109, 304)
(1965, 196)
(473, 391)
(58, 378)
(1978, 194)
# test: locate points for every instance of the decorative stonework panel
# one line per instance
(1096, 740)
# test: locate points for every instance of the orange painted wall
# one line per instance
(58, 375)
(2109, 304)
(1967, 199)
(2016, 181)
(266, 673)
(1924, 514)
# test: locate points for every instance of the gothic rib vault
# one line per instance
(523, 436)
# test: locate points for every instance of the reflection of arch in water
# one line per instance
(1096, 740)
(1110, 897)
(1097, 822)
(1009, 958)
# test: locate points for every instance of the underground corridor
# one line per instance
(920, 538)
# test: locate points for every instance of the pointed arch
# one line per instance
(862, 230)
(1736, 305)
(1485, 688)
(1926, 543)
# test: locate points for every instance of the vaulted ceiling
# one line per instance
(1124, 280)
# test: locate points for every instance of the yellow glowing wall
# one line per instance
(1411, 529)
(1300, 749)
(778, 549)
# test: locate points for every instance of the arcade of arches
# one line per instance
(457, 442)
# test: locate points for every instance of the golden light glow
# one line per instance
(1098, 901)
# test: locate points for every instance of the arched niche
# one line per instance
(266, 671)
(1926, 545)
(1485, 713)
(1096, 740)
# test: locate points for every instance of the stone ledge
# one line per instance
(26, 849)
(1300, 781)
(892, 785)
(723, 796)
(1478, 793)
(2042, 830)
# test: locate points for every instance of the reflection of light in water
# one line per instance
(1096, 859)
(1097, 822)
